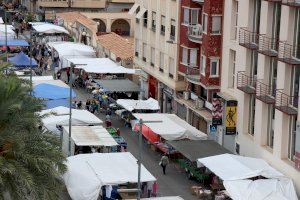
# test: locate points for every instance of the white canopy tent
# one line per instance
(100, 66)
(47, 28)
(236, 170)
(100, 169)
(9, 29)
(60, 116)
(1, 20)
(171, 127)
(130, 104)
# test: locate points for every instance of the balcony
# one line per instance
(293, 3)
(248, 39)
(193, 75)
(265, 93)
(246, 83)
(268, 46)
(194, 33)
(288, 53)
(285, 103)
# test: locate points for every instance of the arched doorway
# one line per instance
(121, 27)
(101, 25)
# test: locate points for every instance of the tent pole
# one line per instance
(70, 104)
(140, 159)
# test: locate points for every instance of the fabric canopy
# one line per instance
(71, 49)
(164, 198)
(171, 127)
(118, 85)
(91, 136)
(22, 60)
(10, 42)
(60, 116)
(9, 30)
(47, 28)
(1, 20)
(87, 173)
(130, 104)
(52, 92)
(193, 150)
(236, 167)
(100, 66)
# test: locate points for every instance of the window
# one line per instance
(234, 19)
(145, 19)
(216, 24)
(152, 56)
(137, 20)
(270, 133)
(231, 73)
(214, 67)
(184, 55)
(144, 51)
(163, 25)
(193, 57)
(153, 21)
(186, 16)
(251, 115)
(204, 22)
(194, 16)
(171, 67)
(203, 65)
(162, 62)
(292, 138)
(137, 48)
(173, 29)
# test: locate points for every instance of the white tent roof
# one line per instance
(87, 173)
(10, 31)
(91, 136)
(236, 167)
(1, 20)
(71, 49)
(100, 66)
(48, 28)
(130, 104)
(60, 116)
(36, 80)
(171, 127)
(262, 189)
(164, 198)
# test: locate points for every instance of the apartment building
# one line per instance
(156, 49)
(260, 71)
(199, 60)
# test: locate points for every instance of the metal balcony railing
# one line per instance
(288, 53)
(246, 83)
(268, 46)
(193, 74)
(248, 39)
(265, 93)
(293, 3)
(285, 103)
(195, 33)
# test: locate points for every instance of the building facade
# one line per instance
(260, 70)
(156, 50)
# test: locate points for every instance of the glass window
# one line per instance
(204, 22)
(186, 16)
(251, 115)
(145, 19)
(292, 138)
(194, 16)
(173, 29)
(271, 118)
(193, 57)
(203, 65)
(214, 67)
(184, 55)
(231, 77)
(216, 24)
(153, 20)
(163, 25)
(234, 21)
(171, 66)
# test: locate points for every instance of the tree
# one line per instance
(31, 163)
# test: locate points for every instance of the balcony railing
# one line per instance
(288, 53)
(293, 3)
(248, 39)
(194, 33)
(285, 103)
(265, 93)
(268, 46)
(193, 75)
(246, 83)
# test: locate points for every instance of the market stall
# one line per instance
(246, 178)
(47, 32)
(99, 171)
(149, 105)
(86, 139)
(7, 29)
(57, 117)
(21, 60)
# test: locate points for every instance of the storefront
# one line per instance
(167, 101)
(197, 121)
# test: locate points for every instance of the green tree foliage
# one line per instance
(31, 162)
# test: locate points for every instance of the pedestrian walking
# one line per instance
(164, 161)
(17, 32)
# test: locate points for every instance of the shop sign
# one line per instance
(213, 129)
(217, 111)
(231, 117)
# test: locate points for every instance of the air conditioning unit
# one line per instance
(186, 95)
(199, 103)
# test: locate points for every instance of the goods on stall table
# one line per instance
(112, 131)
(166, 148)
(192, 170)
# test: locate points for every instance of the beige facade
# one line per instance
(156, 46)
(255, 69)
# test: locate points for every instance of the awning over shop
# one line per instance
(171, 127)
(118, 85)
(100, 66)
(48, 28)
(21, 60)
(87, 173)
(196, 149)
(130, 104)
(91, 136)
(11, 42)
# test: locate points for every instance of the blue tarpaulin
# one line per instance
(20, 43)
(22, 60)
(52, 92)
